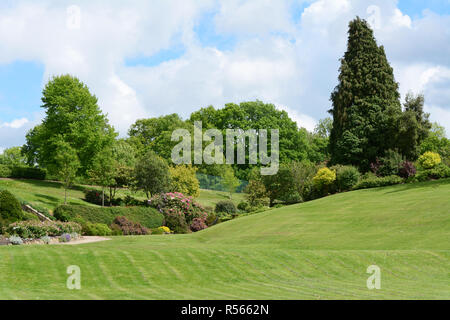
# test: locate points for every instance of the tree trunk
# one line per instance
(65, 195)
(103, 196)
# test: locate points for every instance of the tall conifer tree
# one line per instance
(366, 102)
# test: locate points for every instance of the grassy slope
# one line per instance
(51, 194)
(316, 250)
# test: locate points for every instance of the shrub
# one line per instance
(429, 160)
(37, 229)
(28, 173)
(95, 197)
(244, 206)
(441, 171)
(157, 231)
(65, 237)
(347, 177)
(387, 165)
(10, 209)
(179, 211)
(148, 217)
(165, 229)
(176, 221)
(211, 220)
(256, 194)
(407, 170)
(178, 202)
(375, 182)
(323, 179)
(5, 171)
(45, 239)
(198, 225)
(129, 228)
(97, 229)
(226, 206)
(16, 241)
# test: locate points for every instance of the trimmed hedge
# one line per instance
(22, 173)
(148, 217)
(375, 182)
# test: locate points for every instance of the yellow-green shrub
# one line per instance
(324, 177)
(429, 160)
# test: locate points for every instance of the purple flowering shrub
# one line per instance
(181, 212)
(407, 170)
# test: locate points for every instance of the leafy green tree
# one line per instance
(156, 134)
(13, 157)
(256, 115)
(65, 165)
(229, 180)
(71, 112)
(152, 174)
(302, 174)
(436, 142)
(103, 170)
(124, 161)
(324, 127)
(281, 186)
(184, 180)
(366, 102)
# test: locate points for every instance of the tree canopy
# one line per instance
(73, 114)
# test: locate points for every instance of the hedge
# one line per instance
(148, 217)
(22, 173)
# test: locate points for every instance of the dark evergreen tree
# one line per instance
(366, 102)
(413, 126)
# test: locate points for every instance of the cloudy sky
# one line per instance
(154, 57)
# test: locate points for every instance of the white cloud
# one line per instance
(275, 59)
(254, 17)
(15, 124)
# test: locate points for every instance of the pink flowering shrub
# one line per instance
(180, 211)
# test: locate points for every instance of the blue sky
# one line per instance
(149, 58)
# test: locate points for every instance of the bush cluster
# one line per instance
(441, 171)
(128, 228)
(10, 209)
(179, 211)
(38, 229)
(148, 217)
(346, 177)
(429, 160)
(226, 206)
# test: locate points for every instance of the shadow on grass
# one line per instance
(417, 185)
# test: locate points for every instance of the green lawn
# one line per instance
(49, 194)
(316, 250)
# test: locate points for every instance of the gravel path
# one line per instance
(84, 240)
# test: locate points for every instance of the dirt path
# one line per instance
(84, 240)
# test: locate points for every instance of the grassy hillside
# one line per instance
(316, 250)
(49, 194)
